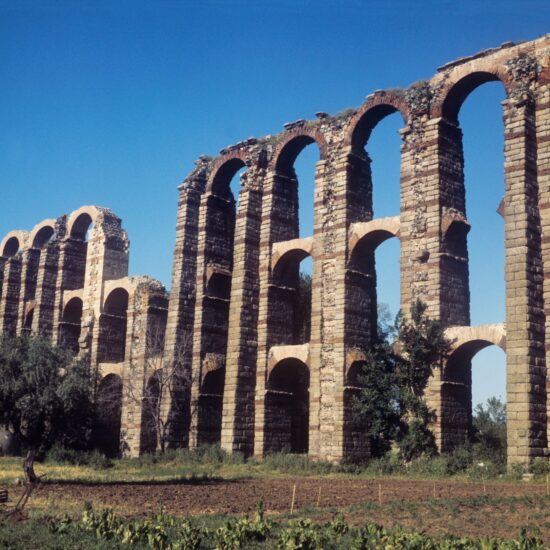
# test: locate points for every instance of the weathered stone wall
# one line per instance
(258, 255)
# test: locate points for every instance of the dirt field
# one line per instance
(233, 497)
(463, 509)
(408, 503)
(198, 497)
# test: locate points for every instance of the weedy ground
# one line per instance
(213, 488)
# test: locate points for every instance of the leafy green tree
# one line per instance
(422, 347)
(377, 405)
(489, 430)
(45, 395)
(393, 380)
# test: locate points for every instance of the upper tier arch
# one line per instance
(14, 242)
(461, 83)
(377, 107)
(80, 221)
(42, 233)
(291, 145)
(223, 171)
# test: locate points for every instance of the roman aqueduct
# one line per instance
(228, 319)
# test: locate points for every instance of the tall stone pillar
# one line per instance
(277, 292)
(434, 258)
(107, 258)
(433, 229)
(242, 348)
(422, 176)
(144, 344)
(181, 309)
(354, 293)
(341, 324)
(133, 374)
(325, 405)
(525, 325)
(71, 268)
(2, 289)
(214, 270)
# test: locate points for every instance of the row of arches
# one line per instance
(288, 402)
(78, 227)
(288, 398)
(40, 267)
(112, 326)
(291, 248)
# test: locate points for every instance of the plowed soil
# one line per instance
(435, 507)
(198, 497)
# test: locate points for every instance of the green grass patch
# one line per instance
(210, 462)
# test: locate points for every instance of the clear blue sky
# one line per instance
(110, 102)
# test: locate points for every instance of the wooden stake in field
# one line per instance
(434, 489)
(380, 493)
(293, 498)
(547, 487)
(319, 495)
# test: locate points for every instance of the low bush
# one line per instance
(63, 455)
(204, 455)
(389, 464)
(540, 467)
(296, 464)
(483, 470)
(210, 454)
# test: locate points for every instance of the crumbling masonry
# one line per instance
(252, 385)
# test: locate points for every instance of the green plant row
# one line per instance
(163, 532)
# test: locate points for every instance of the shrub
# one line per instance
(388, 464)
(63, 455)
(205, 454)
(540, 467)
(163, 532)
(483, 470)
(430, 466)
(517, 471)
(297, 463)
(338, 525)
(459, 460)
(489, 425)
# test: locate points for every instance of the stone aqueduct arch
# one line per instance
(432, 227)
(234, 271)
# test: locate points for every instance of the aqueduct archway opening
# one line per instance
(287, 407)
(456, 388)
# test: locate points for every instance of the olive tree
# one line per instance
(46, 395)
